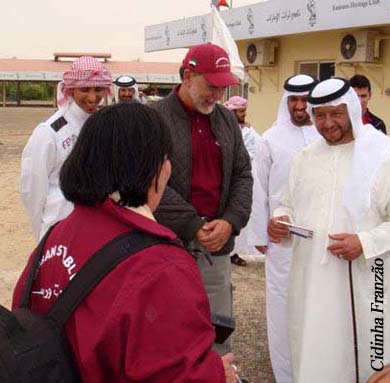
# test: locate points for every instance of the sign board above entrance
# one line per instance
(270, 18)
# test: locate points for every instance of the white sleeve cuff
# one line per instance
(367, 244)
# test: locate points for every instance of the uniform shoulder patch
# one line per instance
(58, 124)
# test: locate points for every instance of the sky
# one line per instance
(37, 29)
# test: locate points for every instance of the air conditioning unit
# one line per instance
(262, 52)
(358, 46)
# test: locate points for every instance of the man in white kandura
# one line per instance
(78, 95)
(126, 89)
(238, 105)
(339, 187)
(292, 131)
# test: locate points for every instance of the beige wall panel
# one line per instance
(265, 83)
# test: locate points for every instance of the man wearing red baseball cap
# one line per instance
(209, 195)
(212, 62)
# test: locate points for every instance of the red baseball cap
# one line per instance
(212, 62)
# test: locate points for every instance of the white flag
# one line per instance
(221, 36)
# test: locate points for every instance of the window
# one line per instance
(320, 69)
(237, 90)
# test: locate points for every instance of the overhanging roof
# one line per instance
(270, 18)
(49, 70)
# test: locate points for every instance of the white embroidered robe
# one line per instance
(319, 302)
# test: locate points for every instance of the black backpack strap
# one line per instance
(25, 299)
(97, 267)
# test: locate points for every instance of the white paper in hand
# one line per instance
(298, 230)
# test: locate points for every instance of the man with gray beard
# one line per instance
(209, 195)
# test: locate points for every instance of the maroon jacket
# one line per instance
(147, 321)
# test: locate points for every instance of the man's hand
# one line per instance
(201, 235)
(230, 372)
(347, 246)
(214, 234)
(262, 249)
(277, 231)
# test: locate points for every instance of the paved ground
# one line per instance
(16, 241)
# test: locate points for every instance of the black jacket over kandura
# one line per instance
(377, 123)
(175, 210)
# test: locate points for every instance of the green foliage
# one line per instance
(11, 91)
(41, 91)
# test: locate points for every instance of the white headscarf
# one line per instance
(299, 85)
(371, 147)
(125, 82)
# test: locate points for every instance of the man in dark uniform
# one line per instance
(361, 85)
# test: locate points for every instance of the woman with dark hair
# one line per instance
(121, 150)
(148, 320)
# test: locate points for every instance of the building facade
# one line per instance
(277, 39)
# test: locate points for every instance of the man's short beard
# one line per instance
(197, 103)
(127, 100)
(301, 122)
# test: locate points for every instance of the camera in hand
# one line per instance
(224, 326)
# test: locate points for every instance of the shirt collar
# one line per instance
(140, 218)
(143, 210)
(75, 114)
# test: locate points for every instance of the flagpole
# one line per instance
(212, 22)
(212, 19)
(220, 35)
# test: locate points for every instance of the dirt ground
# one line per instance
(16, 242)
